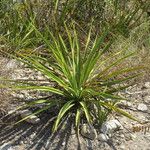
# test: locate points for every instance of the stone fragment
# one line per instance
(63, 143)
(110, 126)
(11, 64)
(142, 107)
(88, 131)
(125, 103)
(32, 135)
(122, 136)
(103, 137)
(147, 98)
(122, 147)
(147, 85)
(33, 119)
(129, 104)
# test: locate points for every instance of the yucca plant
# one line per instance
(87, 89)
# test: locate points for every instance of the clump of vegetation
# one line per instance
(86, 88)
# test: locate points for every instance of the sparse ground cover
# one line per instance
(79, 53)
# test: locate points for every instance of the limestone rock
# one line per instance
(125, 103)
(11, 64)
(142, 107)
(147, 85)
(103, 137)
(122, 147)
(147, 98)
(63, 143)
(110, 126)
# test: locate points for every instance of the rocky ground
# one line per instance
(118, 133)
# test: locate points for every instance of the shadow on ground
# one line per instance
(39, 136)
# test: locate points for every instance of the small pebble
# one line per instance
(110, 126)
(103, 137)
(21, 142)
(147, 98)
(63, 143)
(122, 136)
(142, 107)
(25, 142)
(32, 135)
(147, 85)
(122, 147)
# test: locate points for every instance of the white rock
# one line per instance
(21, 143)
(11, 64)
(147, 98)
(88, 131)
(110, 126)
(63, 143)
(125, 103)
(32, 119)
(122, 136)
(21, 96)
(147, 85)
(129, 104)
(142, 107)
(39, 77)
(122, 147)
(32, 135)
(103, 137)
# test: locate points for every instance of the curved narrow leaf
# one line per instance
(37, 112)
(120, 81)
(62, 112)
(120, 88)
(40, 88)
(102, 73)
(122, 71)
(77, 119)
(93, 56)
(118, 110)
(110, 96)
(86, 111)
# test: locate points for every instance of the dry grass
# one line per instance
(138, 42)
